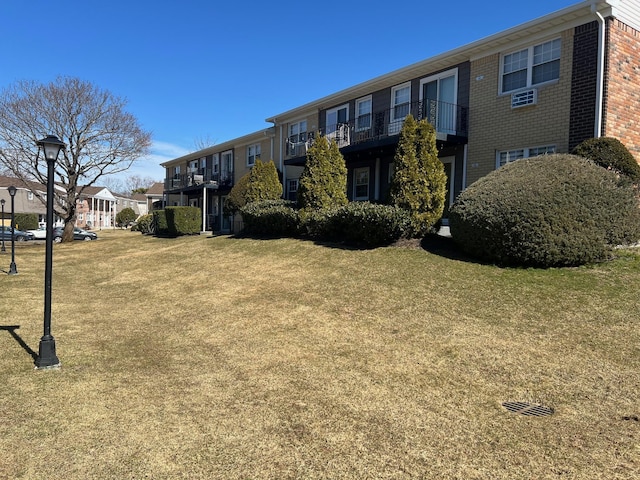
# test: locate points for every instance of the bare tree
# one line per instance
(138, 184)
(201, 143)
(101, 137)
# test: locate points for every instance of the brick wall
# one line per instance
(495, 126)
(584, 82)
(622, 86)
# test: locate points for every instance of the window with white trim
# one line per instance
(292, 188)
(253, 153)
(400, 106)
(531, 66)
(363, 113)
(216, 163)
(30, 195)
(227, 165)
(298, 132)
(361, 183)
(506, 156)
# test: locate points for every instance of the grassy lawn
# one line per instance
(227, 358)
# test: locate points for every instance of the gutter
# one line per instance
(601, 61)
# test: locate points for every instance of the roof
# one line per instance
(556, 22)
(6, 182)
(221, 147)
(157, 189)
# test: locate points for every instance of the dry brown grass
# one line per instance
(236, 358)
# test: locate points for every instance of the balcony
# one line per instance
(201, 179)
(450, 121)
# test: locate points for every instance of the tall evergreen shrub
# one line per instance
(263, 183)
(419, 182)
(323, 182)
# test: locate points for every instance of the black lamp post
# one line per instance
(3, 250)
(47, 351)
(12, 268)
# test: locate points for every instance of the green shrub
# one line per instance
(264, 183)
(366, 224)
(125, 216)
(276, 218)
(419, 183)
(237, 197)
(160, 226)
(183, 220)
(144, 224)
(26, 221)
(611, 154)
(552, 210)
(323, 182)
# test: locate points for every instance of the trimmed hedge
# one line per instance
(366, 224)
(26, 221)
(552, 210)
(160, 226)
(611, 154)
(183, 220)
(276, 218)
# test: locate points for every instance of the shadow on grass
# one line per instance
(12, 331)
(444, 246)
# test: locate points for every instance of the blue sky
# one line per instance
(197, 70)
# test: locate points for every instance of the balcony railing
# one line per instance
(201, 177)
(447, 118)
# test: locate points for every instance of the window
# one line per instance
(30, 195)
(439, 95)
(216, 162)
(253, 153)
(176, 172)
(227, 166)
(506, 156)
(361, 183)
(363, 113)
(292, 189)
(400, 106)
(298, 132)
(193, 166)
(336, 117)
(531, 66)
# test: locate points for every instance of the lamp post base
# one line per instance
(13, 270)
(47, 357)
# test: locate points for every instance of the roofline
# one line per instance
(220, 147)
(560, 19)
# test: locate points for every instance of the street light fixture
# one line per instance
(47, 357)
(3, 250)
(12, 268)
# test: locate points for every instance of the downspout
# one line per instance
(464, 166)
(600, 82)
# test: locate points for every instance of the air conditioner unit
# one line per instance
(522, 99)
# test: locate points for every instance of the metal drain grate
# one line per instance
(528, 409)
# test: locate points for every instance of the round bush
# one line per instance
(276, 218)
(552, 210)
(611, 154)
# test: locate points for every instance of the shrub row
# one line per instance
(175, 221)
(357, 223)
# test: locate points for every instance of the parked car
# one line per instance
(78, 234)
(20, 236)
(39, 234)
